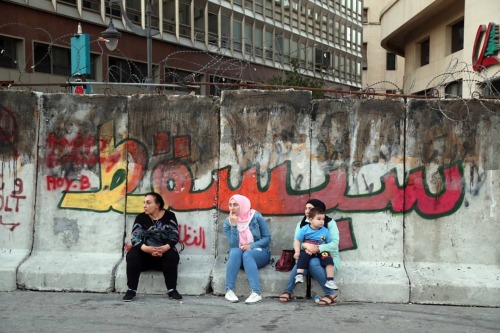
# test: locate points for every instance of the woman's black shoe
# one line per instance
(129, 296)
(174, 294)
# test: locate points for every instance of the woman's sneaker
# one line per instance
(299, 278)
(253, 298)
(330, 284)
(129, 295)
(231, 296)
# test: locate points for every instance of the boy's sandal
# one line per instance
(285, 297)
(328, 300)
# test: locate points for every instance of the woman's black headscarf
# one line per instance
(317, 204)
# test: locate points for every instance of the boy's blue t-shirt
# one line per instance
(310, 235)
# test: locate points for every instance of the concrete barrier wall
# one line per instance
(80, 194)
(451, 243)
(411, 186)
(19, 116)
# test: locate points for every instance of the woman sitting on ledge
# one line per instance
(248, 237)
(315, 269)
(154, 236)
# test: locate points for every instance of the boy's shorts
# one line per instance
(325, 259)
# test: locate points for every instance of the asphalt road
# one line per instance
(32, 311)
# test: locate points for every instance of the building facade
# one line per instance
(197, 42)
(451, 47)
(383, 70)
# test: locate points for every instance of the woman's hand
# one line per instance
(155, 251)
(148, 249)
(233, 219)
(158, 251)
(310, 248)
(245, 247)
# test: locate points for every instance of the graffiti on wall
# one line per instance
(174, 180)
(8, 132)
(191, 236)
(100, 170)
(9, 202)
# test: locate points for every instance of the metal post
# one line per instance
(149, 47)
(111, 32)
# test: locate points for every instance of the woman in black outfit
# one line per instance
(154, 236)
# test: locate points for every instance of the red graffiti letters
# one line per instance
(190, 236)
(414, 195)
(10, 226)
(79, 151)
(346, 235)
(65, 184)
(173, 180)
(10, 202)
(8, 132)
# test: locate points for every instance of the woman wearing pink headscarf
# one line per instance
(248, 236)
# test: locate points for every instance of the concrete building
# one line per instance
(450, 47)
(198, 42)
(383, 70)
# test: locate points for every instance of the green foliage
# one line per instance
(297, 79)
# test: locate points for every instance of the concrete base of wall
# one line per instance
(459, 284)
(373, 282)
(9, 261)
(58, 271)
(272, 282)
(364, 282)
(193, 271)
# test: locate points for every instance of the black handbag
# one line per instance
(155, 237)
(286, 261)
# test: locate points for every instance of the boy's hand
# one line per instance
(296, 255)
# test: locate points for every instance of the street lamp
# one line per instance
(111, 35)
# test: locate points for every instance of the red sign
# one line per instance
(79, 90)
(484, 58)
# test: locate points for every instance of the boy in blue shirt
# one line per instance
(314, 233)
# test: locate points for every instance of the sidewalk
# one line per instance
(31, 311)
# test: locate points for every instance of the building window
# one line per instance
(390, 64)
(215, 89)
(365, 55)
(286, 50)
(492, 88)
(457, 36)
(213, 34)
(365, 15)
(269, 45)
(237, 35)
(322, 59)
(248, 39)
(199, 24)
(121, 70)
(424, 52)
(52, 59)
(93, 5)
(453, 89)
(8, 52)
(184, 18)
(179, 77)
